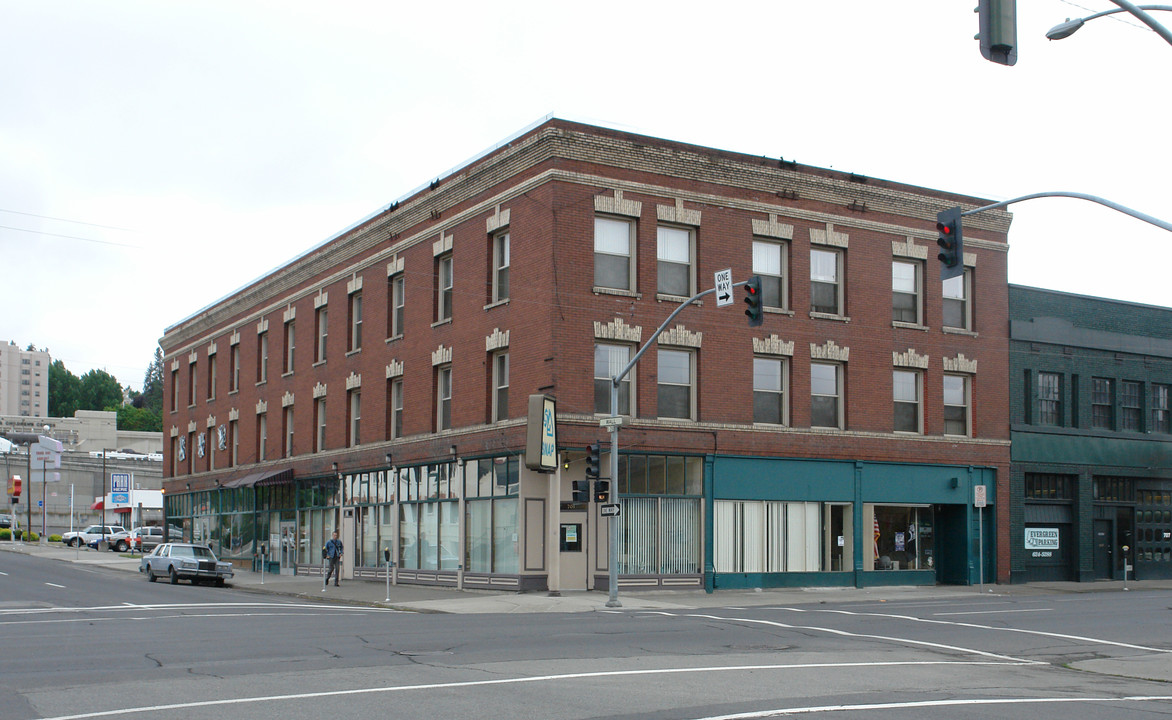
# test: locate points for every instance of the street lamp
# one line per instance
(1070, 27)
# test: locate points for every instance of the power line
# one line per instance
(72, 237)
(76, 222)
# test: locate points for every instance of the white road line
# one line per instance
(54, 585)
(845, 633)
(994, 612)
(180, 606)
(512, 681)
(933, 703)
(1040, 633)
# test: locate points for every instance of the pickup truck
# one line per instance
(77, 538)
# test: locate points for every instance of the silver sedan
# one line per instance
(187, 561)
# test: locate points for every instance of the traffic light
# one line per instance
(601, 491)
(581, 492)
(997, 21)
(14, 487)
(951, 242)
(593, 461)
(753, 300)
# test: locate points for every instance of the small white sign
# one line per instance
(1041, 539)
(724, 295)
(610, 422)
(979, 497)
(610, 510)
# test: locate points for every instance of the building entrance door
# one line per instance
(287, 550)
(1104, 547)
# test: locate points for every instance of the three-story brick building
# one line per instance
(379, 383)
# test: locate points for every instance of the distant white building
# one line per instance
(24, 381)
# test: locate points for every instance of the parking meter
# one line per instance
(387, 554)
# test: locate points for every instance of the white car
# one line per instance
(77, 538)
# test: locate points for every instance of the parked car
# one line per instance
(5, 520)
(77, 538)
(187, 561)
(145, 538)
(118, 542)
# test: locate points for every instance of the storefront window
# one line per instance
(775, 536)
(902, 537)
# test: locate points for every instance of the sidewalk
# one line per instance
(422, 598)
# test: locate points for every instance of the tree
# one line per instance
(100, 391)
(64, 391)
(132, 418)
(152, 386)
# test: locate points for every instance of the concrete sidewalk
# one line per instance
(422, 598)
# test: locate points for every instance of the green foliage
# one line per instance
(64, 391)
(133, 418)
(29, 535)
(152, 385)
(54, 538)
(100, 391)
(5, 534)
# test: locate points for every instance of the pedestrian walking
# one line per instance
(333, 554)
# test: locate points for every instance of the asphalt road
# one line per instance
(78, 642)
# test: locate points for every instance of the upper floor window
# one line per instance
(287, 450)
(191, 384)
(290, 345)
(500, 386)
(956, 404)
(677, 380)
(1102, 404)
(443, 290)
(1049, 398)
(174, 390)
(1160, 409)
(825, 395)
(614, 265)
(235, 369)
(234, 443)
(443, 397)
(319, 435)
(770, 381)
(771, 264)
(825, 282)
(396, 299)
(609, 360)
(355, 321)
(211, 377)
(262, 357)
(674, 251)
(907, 395)
(956, 306)
(905, 292)
(354, 435)
(262, 436)
(500, 267)
(394, 408)
(1131, 406)
(321, 321)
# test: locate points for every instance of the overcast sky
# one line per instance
(156, 155)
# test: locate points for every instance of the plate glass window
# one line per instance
(675, 384)
(674, 253)
(825, 287)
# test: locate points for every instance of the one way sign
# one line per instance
(724, 287)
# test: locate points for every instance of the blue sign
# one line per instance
(40, 503)
(119, 482)
(123, 498)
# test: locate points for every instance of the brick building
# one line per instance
(380, 382)
(1092, 441)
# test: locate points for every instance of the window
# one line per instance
(235, 370)
(773, 536)
(1043, 486)
(906, 387)
(1049, 398)
(825, 395)
(500, 267)
(290, 345)
(957, 313)
(674, 253)
(211, 377)
(355, 321)
(174, 390)
(354, 435)
(443, 296)
(1160, 409)
(1131, 410)
(287, 450)
(956, 405)
(1102, 402)
(609, 360)
(319, 436)
(262, 436)
(443, 397)
(614, 254)
(905, 292)
(394, 409)
(771, 264)
(769, 391)
(500, 387)
(676, 379)
(395, 302)
(191, 384)
(321, 326)
(262, 357)
(825, 283)
(233, 443)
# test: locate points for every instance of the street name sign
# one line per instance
(607, 422)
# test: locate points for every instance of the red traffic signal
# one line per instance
(951, 242)
(753, 300)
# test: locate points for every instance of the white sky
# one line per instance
(197, 145)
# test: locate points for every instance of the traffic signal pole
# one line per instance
(613, 544)
(1162, 224)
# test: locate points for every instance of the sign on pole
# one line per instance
(119, 482)
(608, 422)
(610, 510)
(979, 496)
(724, 287)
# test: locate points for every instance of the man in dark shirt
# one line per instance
(333, 553)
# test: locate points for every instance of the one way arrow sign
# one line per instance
(724, 287)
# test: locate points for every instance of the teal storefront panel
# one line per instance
(740, 478)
